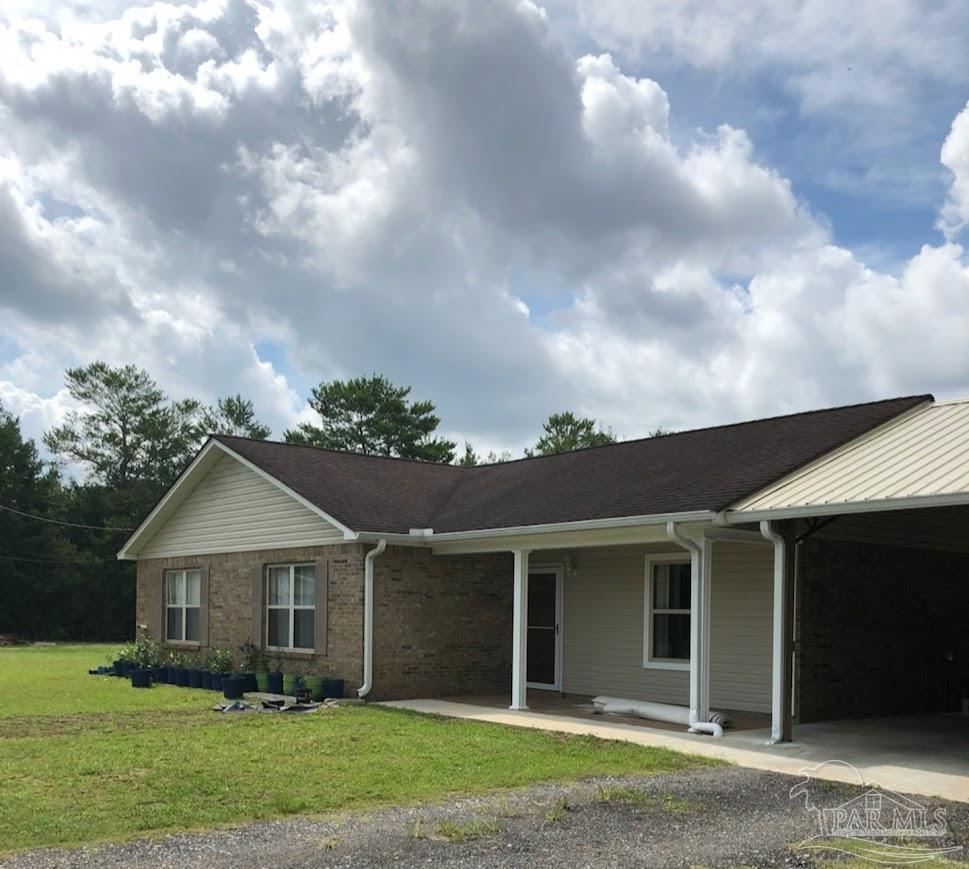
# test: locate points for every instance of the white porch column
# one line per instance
(519, 652)
(777, 657)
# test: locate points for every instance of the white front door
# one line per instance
(544, 651)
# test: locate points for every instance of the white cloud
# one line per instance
(955, 157)
(366, 185)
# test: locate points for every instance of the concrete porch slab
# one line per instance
(926, 755)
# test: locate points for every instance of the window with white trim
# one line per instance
(290, 606)
(666, 633)
(183, 592)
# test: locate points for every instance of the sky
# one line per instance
(654, 212)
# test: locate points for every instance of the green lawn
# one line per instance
(86, 758)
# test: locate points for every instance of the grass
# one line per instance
(646, 802)
(465, 831)
(88, 758)
(558, 811)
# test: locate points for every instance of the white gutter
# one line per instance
(697, 650)
(580, 525)
(364, 689)
(777, 668)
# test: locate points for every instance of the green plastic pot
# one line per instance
(262, 682)
(289, 684)
(315, 685)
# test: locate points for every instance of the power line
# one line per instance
(88, 561)
(66, 524)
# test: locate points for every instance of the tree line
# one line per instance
(63, 520)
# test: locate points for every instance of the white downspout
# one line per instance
(364, 689)
(697, 650)
(777, 668)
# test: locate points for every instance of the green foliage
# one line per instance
(373, 416)
(254, 659)
(127, 429)
(30, 589)
(220, 660)
(469, 458)
(563, 432)
(233, 415)
(147, 653)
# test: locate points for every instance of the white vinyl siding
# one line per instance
(603, 628)
(234, 509)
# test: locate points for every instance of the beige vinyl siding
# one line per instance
(234, 509)
(602, 639)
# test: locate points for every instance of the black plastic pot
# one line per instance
(233, 687)
(118, 668)
(159, 674)
(194, 678)
(217, 680)
(275, 683)
(249, 680)
(181, 677)
(206, 680)
(332, 688)
(141, 678)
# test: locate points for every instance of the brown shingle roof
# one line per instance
(703, 469)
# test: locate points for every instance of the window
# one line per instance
(666, 633)
(291, 606)
(183, 592)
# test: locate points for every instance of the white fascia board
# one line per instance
(131, 546)
(348, 534)
(804, 511)
(581, 525)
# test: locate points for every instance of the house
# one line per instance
(803, 568)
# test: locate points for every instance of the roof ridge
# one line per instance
(336, 452)
(923, 396)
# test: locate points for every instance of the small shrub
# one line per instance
(254, 659)
(644, 801)
(220, 660)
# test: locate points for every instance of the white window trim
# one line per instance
(649, 662)
(292, 607)
(183, 571)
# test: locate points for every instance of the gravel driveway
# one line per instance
(714, 817)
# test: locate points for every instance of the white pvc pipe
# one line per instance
(364, 689)
(658, 712)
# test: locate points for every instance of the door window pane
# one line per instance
(540, 662)
(541, 599)
(192, 623)
(671, 636)
(279, 627)
(303, 624)
(304, 592)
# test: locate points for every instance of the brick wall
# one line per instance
(442, 625)
(876, 624)
(230, 603)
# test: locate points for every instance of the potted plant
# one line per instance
(256, 661)
(147, 655)
(275, 676)
(124, 660)
(194, 671)
(220, 663)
